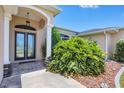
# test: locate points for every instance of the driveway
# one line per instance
(43, 79)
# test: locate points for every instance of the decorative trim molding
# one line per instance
(8, 15)
(50, 25)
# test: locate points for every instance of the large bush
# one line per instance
(119, 52)
(55, 36)
(77, 56)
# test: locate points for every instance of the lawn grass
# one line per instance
(122, 80)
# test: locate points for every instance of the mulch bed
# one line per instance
(107, 77)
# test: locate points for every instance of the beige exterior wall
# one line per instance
(112, 38)
(115, 38)
(40, 36)
(1, 43)
(99, 38)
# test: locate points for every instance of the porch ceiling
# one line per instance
(22, 12)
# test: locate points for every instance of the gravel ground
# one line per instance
(106, 79)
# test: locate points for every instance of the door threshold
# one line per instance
(23, 61)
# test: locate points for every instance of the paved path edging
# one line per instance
(117, 78)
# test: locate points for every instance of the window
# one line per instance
(64, 37)
(25, 27)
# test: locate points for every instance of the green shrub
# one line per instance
(77, 56)
(55, 36)
(119, 52)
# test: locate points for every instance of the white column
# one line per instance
(107, 44)
(7, 18)
(48, 40)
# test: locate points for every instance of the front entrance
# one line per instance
(24, 45)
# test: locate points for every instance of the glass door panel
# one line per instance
(31, 45)
(20, 46)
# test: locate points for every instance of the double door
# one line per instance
(25, 45)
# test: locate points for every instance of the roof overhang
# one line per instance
(68, 30)
(55, 10)
(111, 30)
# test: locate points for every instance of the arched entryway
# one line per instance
(28, 33)
(36, 28)
(31, 27)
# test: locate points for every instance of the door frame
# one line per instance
(25, 40)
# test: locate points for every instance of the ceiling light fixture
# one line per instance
(28, 20)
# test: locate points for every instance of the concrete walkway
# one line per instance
(43, 79)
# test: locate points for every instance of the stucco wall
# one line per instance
(112, 39)
(39, 36)
(1, 43)
(115, 38)
(99, 38)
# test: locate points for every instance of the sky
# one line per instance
(85, 17)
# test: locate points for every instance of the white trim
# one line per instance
(117, 78)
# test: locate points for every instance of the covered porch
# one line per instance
(26, 34)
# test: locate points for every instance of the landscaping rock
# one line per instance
(104, 85)
(108, 76)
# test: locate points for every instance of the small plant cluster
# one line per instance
(77, 56)
(119, 52)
